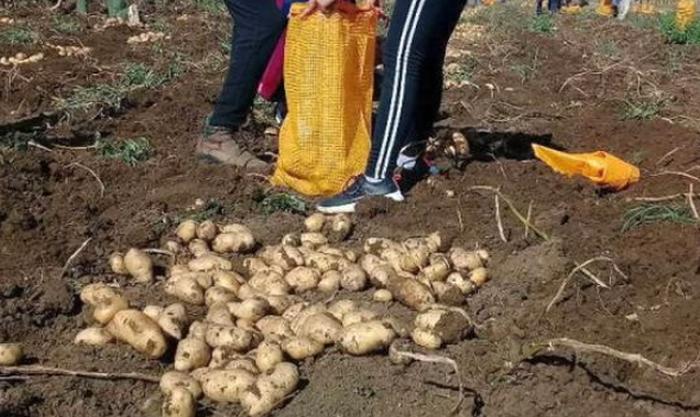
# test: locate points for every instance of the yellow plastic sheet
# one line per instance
(600, 167)
(328, 76)
(605, 8)
(685, 13)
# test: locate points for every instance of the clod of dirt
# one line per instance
(542, 263)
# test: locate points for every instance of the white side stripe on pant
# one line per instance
(397, 92)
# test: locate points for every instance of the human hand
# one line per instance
(313, 5)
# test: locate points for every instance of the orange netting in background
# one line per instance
(328, 77)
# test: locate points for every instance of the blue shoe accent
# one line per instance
(346, 201)
(280, 112)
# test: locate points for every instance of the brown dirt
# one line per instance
(47, 209)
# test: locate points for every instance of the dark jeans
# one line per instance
(257, 25)
(414, 53)
(552, 5)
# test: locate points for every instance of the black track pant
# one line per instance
(257, 25)
(414, 54)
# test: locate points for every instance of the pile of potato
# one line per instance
(146, 37)
(21, 58)
(258, 321)
(71, 50)
(7, 20)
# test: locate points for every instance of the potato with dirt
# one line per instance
(139, 265)
(187, 230)
(173, 320)
(367, 337)
(226, 385)
(210, 262)
(93, 336)
(321, 327)
(272, 387)
(138, 330)
(179, 403)
(410, 292)
(268, 355)
(11, 354)
(230, 337)
(300, 347)
(104, 300)
(186, 289)
(192, 353)
(175, 379)
(303, 279)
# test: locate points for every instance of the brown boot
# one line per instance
(218, 145)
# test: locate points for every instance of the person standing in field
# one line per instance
(414, 54)
(257, 26)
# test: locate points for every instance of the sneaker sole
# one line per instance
(396, 196)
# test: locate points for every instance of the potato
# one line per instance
(198, 373)
(351, 255)
(438, 270)
(438, 242)
(187, 230)
(329, 250)
(465, 260)
(222, 356)
(287, 257)
(105, 301)
(448, 294)
(382, 296)
(198, 329)
(368, 262)
(191, 353)
(251, 309)
(218, 295)
(227, 279)
(415, 259)
(198, 247)
(380, 275)
(330, 282)
(483, 254)
(209, 262)
(299, 348)
(173, 320)
(341, 226)
(274, 328)
(138, 330)
(116, 264)
(353, 278)
(229, 337)
(203, 279)
(246, 324)
(410, 292)
(269, 282)
(315, 222)
(233, 242)
(139, 265)
(180, 269)
(313, 240)
(247, 292)
(280, 303)
(218, 314)
(324, 263)
(185, 289)
(294, 310)
(179, 403)
(291, 239)
(309, 311)
(302, 279)
(174, 379)
(172, 247)
(11, 354)
(93, 336)
(466, 286)
(359, 316)
(207, 230)
(449, 325)
(479, 276)
(270, 389)
(340, 308)
(247, 364)
(321, 327)
(236, 228)
(268, 355)
(226, 385)
(377, 245)
(426, 338)
(368, 337)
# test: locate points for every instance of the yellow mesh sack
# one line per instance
(685, 13)
(328, 78)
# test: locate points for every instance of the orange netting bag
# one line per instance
(328, 77)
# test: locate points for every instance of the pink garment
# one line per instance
(272, 77)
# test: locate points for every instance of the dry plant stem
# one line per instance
(668, 154)
(79, 165)
(499, 222)
(578, 268)
(159, 251)
(75, 148)
(691, 203)
(38, 146)
(529, 216)
(434, 359)
(56, 6)
(43, 370)
(679, 173)
(628, 357)
(666, 197)
(73, 256)
(512, 208)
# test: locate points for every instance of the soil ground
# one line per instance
(572, 86)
